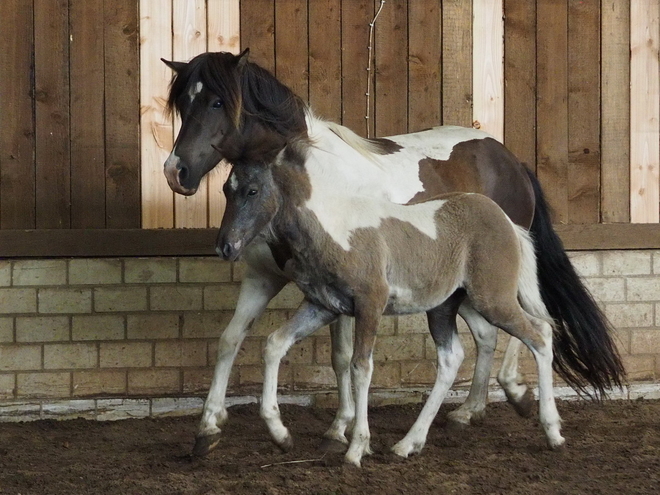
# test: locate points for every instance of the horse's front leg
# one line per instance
(341, 336)
(367, 318)
(257, 289)
(307, 320)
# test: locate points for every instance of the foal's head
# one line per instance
(253, 196)
(216, 94)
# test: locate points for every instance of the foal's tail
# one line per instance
(584, 352)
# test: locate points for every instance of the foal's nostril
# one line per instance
(227, 250)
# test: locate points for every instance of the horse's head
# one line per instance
(217, 94)
(206, 93)
(253, 196)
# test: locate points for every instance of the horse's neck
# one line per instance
(333, 163)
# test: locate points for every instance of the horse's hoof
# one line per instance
(525, 405)
(454, 424)
(205, 444)
(332, 446)
(557, 445)
(286, 445)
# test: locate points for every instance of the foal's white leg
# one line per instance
(307, 319)
(257, 289)
(342, 347)
(548, 414)
(485, 339)
(450, 357)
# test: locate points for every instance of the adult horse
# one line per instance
(219, 94)
(364, 256)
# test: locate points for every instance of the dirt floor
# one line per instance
(612, 448)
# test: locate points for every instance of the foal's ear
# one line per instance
(242, 58)
(175, 66)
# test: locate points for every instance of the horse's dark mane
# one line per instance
(249, 92)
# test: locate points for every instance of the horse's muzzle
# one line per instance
(177, 173)
(227, 251)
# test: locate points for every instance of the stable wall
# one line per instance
(123, 337)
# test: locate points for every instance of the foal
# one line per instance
(365, 257)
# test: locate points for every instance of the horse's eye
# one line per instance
(252, 192)
(217, 104)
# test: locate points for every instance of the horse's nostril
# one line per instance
(227, 250)
(183, 172)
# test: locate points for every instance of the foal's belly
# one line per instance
(407, 301)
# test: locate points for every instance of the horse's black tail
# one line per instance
(584, 353)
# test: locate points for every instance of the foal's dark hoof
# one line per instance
(525, 405)
(332, 446)
(205, 445)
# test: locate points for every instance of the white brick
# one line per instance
(656, 262)
(607, 289)
(97, 327)
(585, 263)
(204, 270)
(94, 271)
(630, 314)
(42, 328)
(114, 409)
(643, 288)
(14, 301)
(5, 273)
(626, 263)
(65, 300)
(150, 270)
(69, 409)
(6, 329)
(39, 272)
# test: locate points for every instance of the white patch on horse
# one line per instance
(195, 90)
(438, 142)
(172, 160)
(233, 182)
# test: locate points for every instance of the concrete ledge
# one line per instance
(112, 409)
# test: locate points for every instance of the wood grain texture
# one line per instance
(122, 114)
(584, 111)
(325, 58)
(52, 139)
(644, 111)
(224, 35)
(188, 40)
(17, 177)
(457, 62)
(291, 50)
(424, 67)
(615, 111)
(552, 106)
(488, 67)
(520, 79)
(391, 81)
(355, 19)
(258, 31)
(156, 128)
(87, 114)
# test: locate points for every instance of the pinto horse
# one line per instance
(218, 95)
(363, 256)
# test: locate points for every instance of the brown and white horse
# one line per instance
(220, 94)
(356, 255)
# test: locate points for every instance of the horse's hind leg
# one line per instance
(450, 357)
(341, 336)
(257, 289)
(517, 392)
(485, 339)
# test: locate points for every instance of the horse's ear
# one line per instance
(243, 58)
(175, 66)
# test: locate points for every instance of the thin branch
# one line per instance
(292, 462)
(369, 77)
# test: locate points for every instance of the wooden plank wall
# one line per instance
(69, 155)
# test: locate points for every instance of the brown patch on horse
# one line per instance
(483, 166)
(385, 146)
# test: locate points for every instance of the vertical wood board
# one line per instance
(488, 67)
(615, 111)
(156, 128)
(456, 62)
(552, 107)
(424, 65)
(291, 49)
(17, 177)
(520, 79)
(258, 31)
(584, 111)
(87, 114)
(189, 39)
(53, 160)
(644, 111)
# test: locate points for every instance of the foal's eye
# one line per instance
(252, 192)
(217, 104)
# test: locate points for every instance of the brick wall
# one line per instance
(96, 337)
